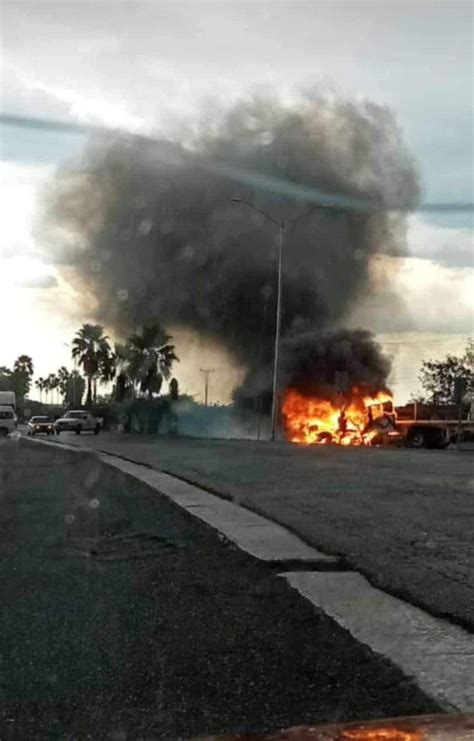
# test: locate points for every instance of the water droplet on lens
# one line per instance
(266, 138)
(145, 227)
(91, 478)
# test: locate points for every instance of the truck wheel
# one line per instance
(96, 429)
(325, 438)
(416, 439)
(437, 440)
(78, 430)
(57, 432)
(3, 432)
(430, 438)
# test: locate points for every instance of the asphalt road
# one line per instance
(121, 618)
(403, 518)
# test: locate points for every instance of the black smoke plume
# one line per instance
(149, 229)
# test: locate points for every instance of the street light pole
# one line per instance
(277, 333)
(281, 236)
(281, 230)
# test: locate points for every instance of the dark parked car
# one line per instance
(40, 425)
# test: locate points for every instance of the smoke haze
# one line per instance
(148, 230)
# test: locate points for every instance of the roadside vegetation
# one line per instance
(130, 385)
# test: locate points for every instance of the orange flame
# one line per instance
(380, 734)
(311, 420)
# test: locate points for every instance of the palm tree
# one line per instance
(92, 350)
(47, 389)
(107, 369)
(40, 385)
(5, 378)
(174, 388)
(22, 372)
(150, 358)
(123, 381)
(63, 378)
(24, 364)
(53, 382)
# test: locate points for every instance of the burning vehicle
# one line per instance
(361, 419)
(356, 419)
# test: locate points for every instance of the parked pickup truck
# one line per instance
(77, 421)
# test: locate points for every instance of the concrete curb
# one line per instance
(438, 655)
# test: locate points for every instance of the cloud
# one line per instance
(123, 76)
(42, 281)
(409, 349)
(437, 298)
(448, 247)
(19, 188)
(417, 295)
(24, 99)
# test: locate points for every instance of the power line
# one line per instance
(266, 182)
(402, 381)
(422, 343)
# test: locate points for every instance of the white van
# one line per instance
(7, 399)
(8, 421)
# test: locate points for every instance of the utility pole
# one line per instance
(206, 372)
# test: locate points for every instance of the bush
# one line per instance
(148, 416)
(110, 413)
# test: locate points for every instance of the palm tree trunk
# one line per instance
(89, 391)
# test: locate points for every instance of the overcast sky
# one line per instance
(143, 66)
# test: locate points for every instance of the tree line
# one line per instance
(138, 366)
(438, 377)
(141, 364)
(18, 378)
